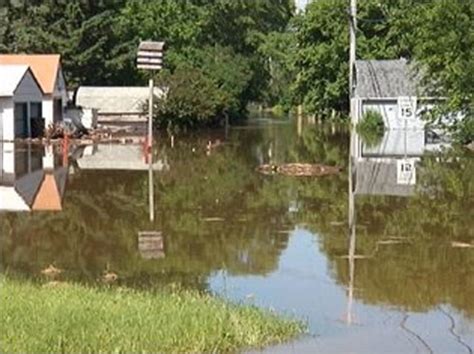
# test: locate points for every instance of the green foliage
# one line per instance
(192, 99)
(371, 127)
(416, 30)
(73, 318)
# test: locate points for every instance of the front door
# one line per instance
(21, 120)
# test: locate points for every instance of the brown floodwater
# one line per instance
(378, 258)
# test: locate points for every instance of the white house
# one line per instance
(20, 102)
(47, 70)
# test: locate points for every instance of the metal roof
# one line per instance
(114, 100)
(11, 76)
(384, 78)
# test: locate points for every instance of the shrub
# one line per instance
(371, 127)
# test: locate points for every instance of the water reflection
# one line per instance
(31, 178)
(278, 241)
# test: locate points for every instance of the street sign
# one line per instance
(406, 172)
(150, 55)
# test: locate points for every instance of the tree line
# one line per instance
(237, 52)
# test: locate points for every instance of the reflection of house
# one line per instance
(47, 70)
(127, 103)
(30, 179)
(388, 87)
(389, 168)
(20, 102)
(117, 157)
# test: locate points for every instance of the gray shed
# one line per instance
(388, 87)
(115, 102)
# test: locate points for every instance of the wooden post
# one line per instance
(150, 116)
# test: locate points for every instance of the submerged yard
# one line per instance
(64, 317)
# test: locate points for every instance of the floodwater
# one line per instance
(379, 258)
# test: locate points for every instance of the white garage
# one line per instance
(20, 103)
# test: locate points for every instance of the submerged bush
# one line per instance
(371, 127)
(192, 99)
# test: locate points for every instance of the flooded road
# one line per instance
(378, 258)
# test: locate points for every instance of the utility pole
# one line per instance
(352, 49)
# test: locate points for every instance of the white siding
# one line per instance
(48, 110)
(6, 119)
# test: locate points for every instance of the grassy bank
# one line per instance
(74, 318)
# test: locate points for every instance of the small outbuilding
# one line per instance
(390, 88)
(48, 72)
(116, 103)
(20, 103)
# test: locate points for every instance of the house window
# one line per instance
(37, 121)
(21, 120)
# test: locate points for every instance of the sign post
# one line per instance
(150, 57)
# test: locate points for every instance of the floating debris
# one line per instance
(337, 223)
(391, 242)
(457, 244)
(299, 169)
(51, 271)
(109, 277)
(213, 219)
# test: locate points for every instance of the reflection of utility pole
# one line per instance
(352, 235)
(352, 49)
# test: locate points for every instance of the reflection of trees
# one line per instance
(411, 262)
(216, 212)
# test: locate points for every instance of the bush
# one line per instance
(371, 127)
(192, 99)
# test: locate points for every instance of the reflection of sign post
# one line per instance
(151, 244)
(406, 172)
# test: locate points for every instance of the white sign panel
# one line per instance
(406, 108)
(406, 172)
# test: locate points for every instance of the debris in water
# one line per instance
(213, 219)
(299, 169)
(391, 242)
(458, 244)
(51, 271)
(109, 277)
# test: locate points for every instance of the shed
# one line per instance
(390, 88)
(47, 70)
(123, 103)
(20, 102)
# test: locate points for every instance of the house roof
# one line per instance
(45, 67)
(384, 78)
(114, 100)
(11, 76)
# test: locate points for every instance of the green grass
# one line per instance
(75, 318)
